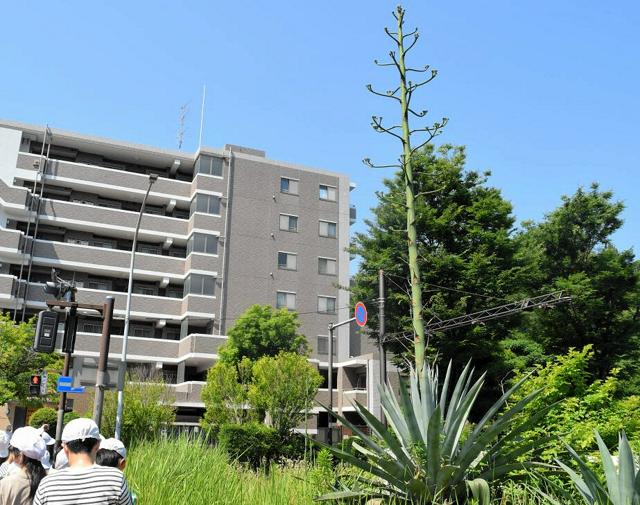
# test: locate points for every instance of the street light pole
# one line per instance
(122, 370)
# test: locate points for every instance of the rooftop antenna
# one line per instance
(204, 93)
(182, 116)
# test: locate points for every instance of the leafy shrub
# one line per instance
(148, 408)
(45, 415)
(48, 415)
(582, 406)
(253, 443)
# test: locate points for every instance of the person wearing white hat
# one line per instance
(27, 448)
(4, 453)
(113, 453)
(83, 482)
(4, 446)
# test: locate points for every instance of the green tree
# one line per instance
(571, 250)
(285, 387)
(263, 331)
(148, 408)
(225, 394)
(408, 170)
(466, 254)
(18, 361)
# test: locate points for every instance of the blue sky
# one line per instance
(544, 94)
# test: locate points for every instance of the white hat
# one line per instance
(4, 444)
(49, 440)
(113, 444)
(61, 461)
(80, 429)
(45, 461)
(29, 442)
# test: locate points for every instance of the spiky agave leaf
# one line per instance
(420, 454)
(621, 486)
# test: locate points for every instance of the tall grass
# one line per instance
(182, 471)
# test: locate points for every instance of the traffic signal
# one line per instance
(46, 331)
(34, 385)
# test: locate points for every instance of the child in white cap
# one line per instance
(27, 448)
(5, 460)
(113, 453)
(83, 482)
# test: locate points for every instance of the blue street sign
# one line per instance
(65, 385)
(360, 314)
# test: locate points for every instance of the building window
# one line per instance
(202, 243)
(207, 204)
(209, 165)
(142, 331)
(327, 304)
(287, 261)
(328, 229)
(327, 266)
(327, 193)
(288, 186)
(174, 292)
(288, 222)
(149, 249)
(286, 300)
(323, 348)
(141, 289)
(96, 284)
(92, 327)
(196, 284)
(172, 333)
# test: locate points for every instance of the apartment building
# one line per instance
(223, 229)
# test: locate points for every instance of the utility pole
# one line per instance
(68, 343)
(332, 326)
(105, 338)
(65, 294)
(381, 330)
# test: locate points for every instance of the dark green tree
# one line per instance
(572, 250)
(263, 331)
(466, 253)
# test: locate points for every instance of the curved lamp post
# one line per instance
(122, 370)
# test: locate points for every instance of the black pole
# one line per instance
(67, 346)
(105, 339)
(330, 384)
(381, 332)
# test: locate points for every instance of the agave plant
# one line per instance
(622, 485)
(425, 455)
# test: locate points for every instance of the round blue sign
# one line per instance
(360, 314)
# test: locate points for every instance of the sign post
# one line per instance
(360, 317)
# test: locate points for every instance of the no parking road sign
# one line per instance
(360, 314)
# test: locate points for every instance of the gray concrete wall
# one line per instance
(255, 238)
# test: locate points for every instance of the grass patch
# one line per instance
(183, 471)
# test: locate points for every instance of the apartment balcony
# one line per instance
(323, 397)
(355, 395)
(13, 197)
(105, 220)
(84, 177)
(11, 244)
(188, 393)
(203, 182)
(106, 261)
(145, 349)
(142, 306)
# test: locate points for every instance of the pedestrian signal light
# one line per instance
(34, 385)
